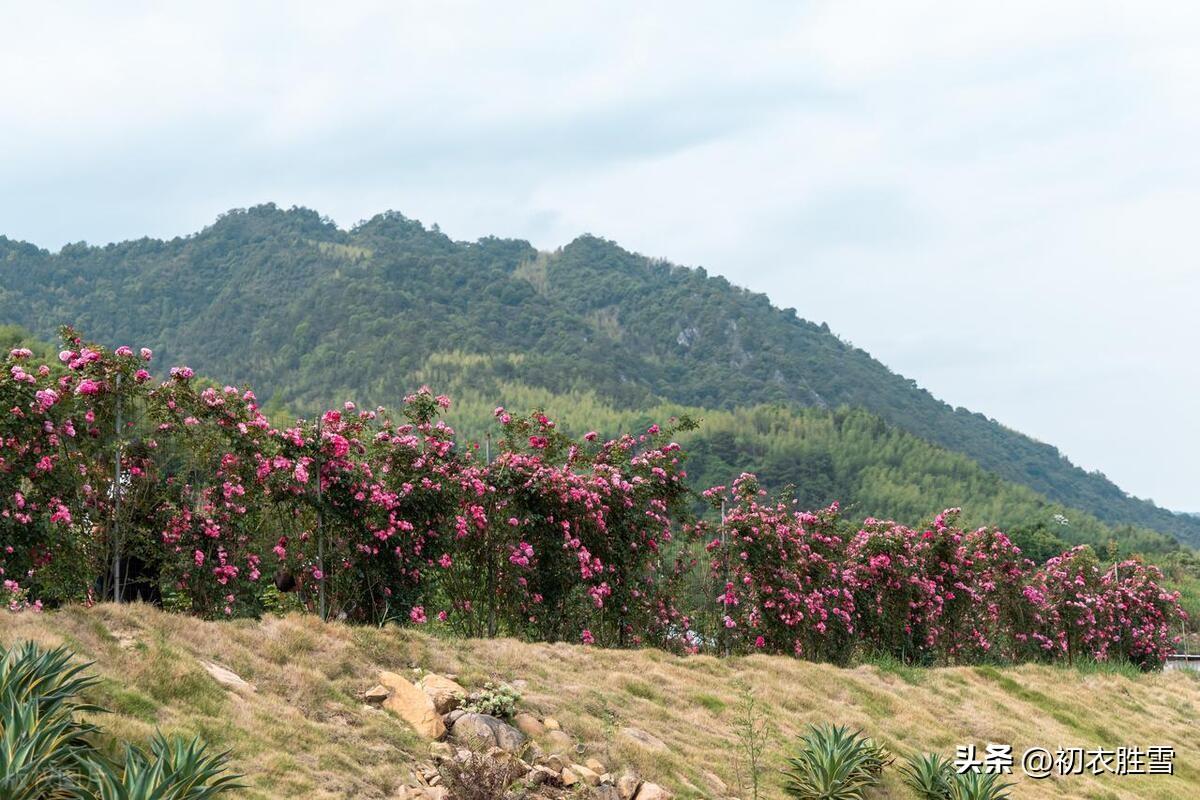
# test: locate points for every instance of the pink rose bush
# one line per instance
(387, 517)
(807, 584)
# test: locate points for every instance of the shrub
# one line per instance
(929, 775)
(833, 763)
(498, 700)
(46, 752)
(978, 786)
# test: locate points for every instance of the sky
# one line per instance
(997, 200)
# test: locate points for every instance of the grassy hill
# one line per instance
(302, 731)
(311, 314)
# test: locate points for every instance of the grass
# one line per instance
(302, 732)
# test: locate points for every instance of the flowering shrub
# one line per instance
(564, 539)
(809, 584)
(375, 517)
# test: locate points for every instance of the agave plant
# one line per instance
(929, 775)
(175, 770)
(978, 786)
(834, 763)
(46, 754)
(43, 751)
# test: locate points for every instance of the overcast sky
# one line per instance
(998, 200)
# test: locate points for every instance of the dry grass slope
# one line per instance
(303, 733)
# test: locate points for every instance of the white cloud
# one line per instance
(995, 199)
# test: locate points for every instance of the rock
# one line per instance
(484, 731)
(652, 791)
(627, 785)
(587, 775)
(376, 694)
(558, 742)
(445, 693)
(412, 705)
(226, 677)
(551, 724)
(644, 739)
(529, 725)
(436, 793)
(557, 762)
(453, 716)
(568, 777)
(715, 782)
(607, 779)
(606, 792)
(540, 774)
(594, 765)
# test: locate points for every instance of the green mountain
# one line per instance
(310, 314)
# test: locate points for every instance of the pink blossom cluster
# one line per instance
(808, 584)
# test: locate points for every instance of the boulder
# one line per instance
(484, 730)
(594, 765)
(715, 783)
(627, 785)
(445, 693)
(568, 777)
(557, 762)
(606, 792)
(588, 776)
(376, 694)
(558, 742)
(529, 725)
(226, 677)
(453, 716)
(412, 705)
(540, 774)
(644, 739)
(652, 791)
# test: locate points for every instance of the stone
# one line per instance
(627, 785)
(594, 765)
(412, 705)
(453, 716)
(568, 777)
(558, 742)
(484, 730)
(529, 725)
(226, 677)
(644, 739)
(376, 694)
(588, 776)
(715, 782)
(445, 693)
(541, 774)
(652, 791)
(551, 724)
(557, 762)
(606, 792)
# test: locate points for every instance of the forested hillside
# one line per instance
(309, 314)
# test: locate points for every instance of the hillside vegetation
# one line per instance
(302, 731)
(310, 314)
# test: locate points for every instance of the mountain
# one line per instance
(309, 313)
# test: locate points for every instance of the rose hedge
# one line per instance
(376, 517)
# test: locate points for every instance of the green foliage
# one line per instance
(590, 316)
(46, 752)
(497, 699)
(834, 763)
(979, 786)
(929, 775)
